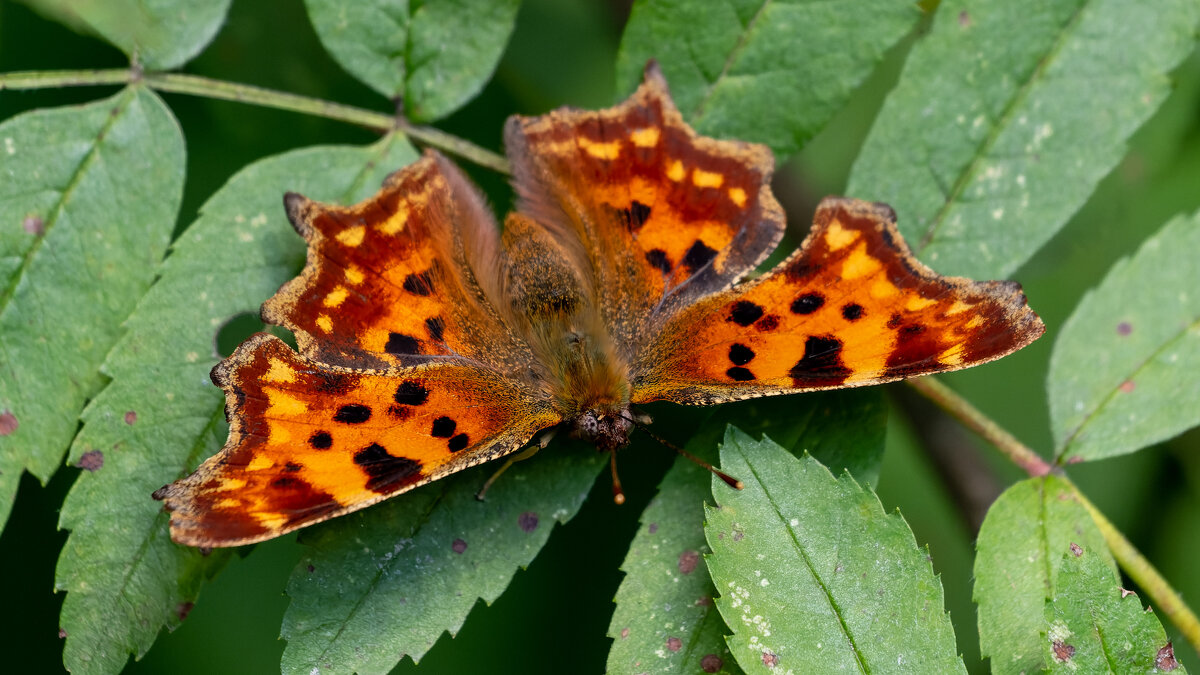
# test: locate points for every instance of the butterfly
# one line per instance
(429, 341)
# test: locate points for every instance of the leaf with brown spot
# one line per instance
(1092, 627)
(1020, 549)
(110, 171)
(1122, 374)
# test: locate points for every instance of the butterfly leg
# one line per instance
(525, 454)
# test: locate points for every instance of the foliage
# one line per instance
(1004, 120)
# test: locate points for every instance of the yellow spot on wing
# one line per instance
(958, 308)
(859, 264)
(354, 275)
(229, 503)
(271, 521)
(279, 372)
(916, 303)
(703, 178)
(259, 463)
(610, 150)
(952, 356)
(336, 297)
(675, 171)
(644, 138)
(738, 195)
(395, 223)
(352, 236)
(882, 288)
(838, 237)
(231, 484)
(975, 321)
(325, 323)
(284, 405)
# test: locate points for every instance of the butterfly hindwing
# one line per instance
(852, 307)
(309, 441)
(660, 215)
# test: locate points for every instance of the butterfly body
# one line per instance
(430, 342)
(576, 364)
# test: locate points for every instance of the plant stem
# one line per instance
(1129, 558)
(970, 416)
(195, 85)
(1143, 573)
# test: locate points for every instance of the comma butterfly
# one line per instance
(429, 342)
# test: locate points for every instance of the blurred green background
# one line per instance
(555, 614)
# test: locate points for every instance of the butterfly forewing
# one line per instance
(396, 278)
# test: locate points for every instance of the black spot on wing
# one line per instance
(352, 413)
(400, 344)
(807, 303)
(418, 284)
(658, 259)
(698, 256)
(635, 216)
(458, 442)
(386, 472)
(411, 393)
(852, 311)
(821, 365)
(740, 354)
(740, 374)
(435, 327)
(744, 313)
(443, 427)
(321, 440)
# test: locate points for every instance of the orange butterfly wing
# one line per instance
(393, 280)
(852, 307)
(309, 441)
(659, 215)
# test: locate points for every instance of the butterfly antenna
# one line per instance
(729, 480)
(618, 493)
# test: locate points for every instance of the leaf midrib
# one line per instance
(1002, 123)
(64, 196)
(383, 570)
(837, 610)
(698, 112)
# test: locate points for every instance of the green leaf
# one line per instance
(89, 198)
(1007, 115)
(160, 416)
(1017, 566)
(665, 621)
(434, 56)
(387, 581)
(665, 569)
(1095, 626)
(768, 71)
(814, 576)
(1123, 372)
(157, 34)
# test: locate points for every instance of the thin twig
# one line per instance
(962, 410)
(179, 83)
(1144, 573)
(1129, 558)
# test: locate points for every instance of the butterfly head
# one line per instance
(607, 429)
